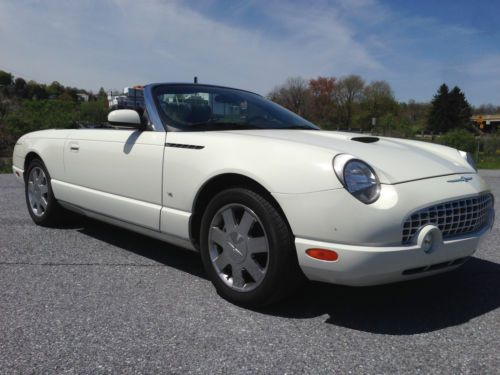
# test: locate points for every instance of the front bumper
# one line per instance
(19, 173)
(369, 238)
(365, 265)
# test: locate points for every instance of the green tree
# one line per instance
(36, 91)
(20, 87)
(93, 112)
(101, 94)
(6, 78)
(438, 117)
(416, 113)
(41, 114)
(378, 100)
(347, 95)
(449, 110)
(70, 93)
(55, 89)
(460, 109)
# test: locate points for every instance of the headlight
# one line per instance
(468, 157)
(357, 177)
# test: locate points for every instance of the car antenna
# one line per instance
(195, 79)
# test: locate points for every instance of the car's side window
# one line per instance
(198, 107)
(186, 108)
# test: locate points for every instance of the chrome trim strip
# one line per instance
(180, 145)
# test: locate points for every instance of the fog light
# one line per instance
(430, 239)
(427, 243)
(323, 254)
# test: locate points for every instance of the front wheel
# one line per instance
(247, 249)
(42, 205)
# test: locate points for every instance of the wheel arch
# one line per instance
(31, 155)
(222, 182)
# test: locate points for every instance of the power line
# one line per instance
(18, 74)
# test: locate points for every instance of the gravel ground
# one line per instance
(92, 298)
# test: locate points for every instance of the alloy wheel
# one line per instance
(238, 247)
(38, 191)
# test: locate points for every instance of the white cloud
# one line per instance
(115, 43)
(128, 41)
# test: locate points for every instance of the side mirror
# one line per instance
(125, 117)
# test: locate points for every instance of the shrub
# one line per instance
(491, 146)
(460, 139)
(40, 114)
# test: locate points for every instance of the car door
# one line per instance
(115, 172)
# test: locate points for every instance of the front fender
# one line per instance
(48, 145)
(279, 166)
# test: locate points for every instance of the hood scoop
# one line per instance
(365, 139)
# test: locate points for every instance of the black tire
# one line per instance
(53, 213)
(283, 274)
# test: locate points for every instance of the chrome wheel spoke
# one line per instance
(254, 269)
(31, 186)
(222, 261)
(44, 189)
(218, 236)
(229, 220)
(237, 276)
(257, 245)
(246, 223)
(43, 202)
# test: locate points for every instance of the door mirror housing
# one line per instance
(126, 118)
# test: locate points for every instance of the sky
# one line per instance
(256, 44)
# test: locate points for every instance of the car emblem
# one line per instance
(461, 179)
(235, 249)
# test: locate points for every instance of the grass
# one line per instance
(5, 169)
(488, 162)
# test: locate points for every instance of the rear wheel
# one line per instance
(247, 249)
(42, 205)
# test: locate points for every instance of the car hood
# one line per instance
(395, 160)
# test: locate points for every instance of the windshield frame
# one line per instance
(170, 125)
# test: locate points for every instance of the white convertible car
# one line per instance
(264, 195)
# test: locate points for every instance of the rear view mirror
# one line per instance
(126, 118)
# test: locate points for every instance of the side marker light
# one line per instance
(323, 254)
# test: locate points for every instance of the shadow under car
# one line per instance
(404, 308)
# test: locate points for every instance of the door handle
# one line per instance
(74, 147)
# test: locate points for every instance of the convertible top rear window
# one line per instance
(199, 107)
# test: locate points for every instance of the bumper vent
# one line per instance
(435, 267)
(453, 218)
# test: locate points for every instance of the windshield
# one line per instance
(198, 107)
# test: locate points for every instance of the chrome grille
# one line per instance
(453, 218)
